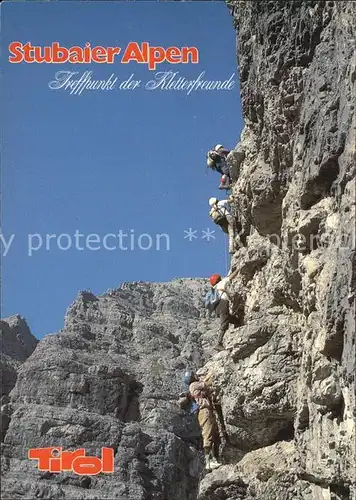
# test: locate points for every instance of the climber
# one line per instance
(20, 339)
(201, 393)
(218, 300)
(187, 403)
(221, 214)
(216, 160)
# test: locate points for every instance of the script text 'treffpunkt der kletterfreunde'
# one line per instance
(76, 82)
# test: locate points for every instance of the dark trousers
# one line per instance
(223, 168)
(222, 312)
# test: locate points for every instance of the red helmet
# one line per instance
(214, 278)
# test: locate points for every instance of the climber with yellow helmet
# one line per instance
(216, 160)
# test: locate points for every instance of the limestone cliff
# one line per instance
(288, 376)
(110, 378)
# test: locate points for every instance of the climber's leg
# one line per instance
(225, 169)
(223, 435)
(222, 311)
(210, 435)
(234, 238)
(215, 451)
(207, 434)
(224, 226)
(206, 427)
(214, 462)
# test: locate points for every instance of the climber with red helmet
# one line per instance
(218, 300)
(200, 391)
(217, 160)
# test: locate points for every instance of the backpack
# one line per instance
(212, 158)
(212, 299)
(216, 214)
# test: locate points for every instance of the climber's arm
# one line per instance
(233, 275)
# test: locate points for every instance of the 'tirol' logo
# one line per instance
(56, 460)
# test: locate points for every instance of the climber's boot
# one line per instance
(219, 347)
(214, 464)
(223, 186)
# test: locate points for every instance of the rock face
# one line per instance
(111, 378)
(288, 375)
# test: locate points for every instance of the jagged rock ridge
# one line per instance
(110, 378)
(17, 344)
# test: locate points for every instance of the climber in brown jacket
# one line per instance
(202, 394)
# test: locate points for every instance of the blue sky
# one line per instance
(106, 161)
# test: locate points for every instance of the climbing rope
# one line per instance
(226, 259)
